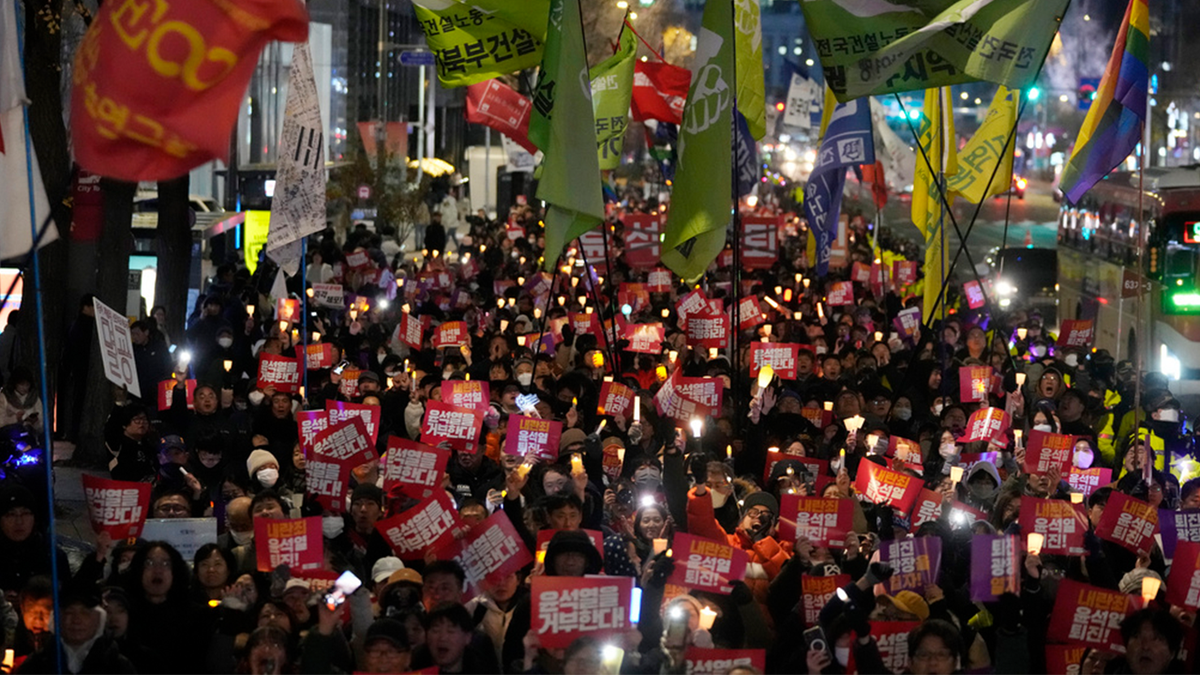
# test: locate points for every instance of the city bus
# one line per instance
(1099, 240)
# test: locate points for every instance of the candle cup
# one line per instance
(660, 545)
(707, 618)
(1150, 586)
(1033, 543)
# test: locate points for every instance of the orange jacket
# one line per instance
(767, 556)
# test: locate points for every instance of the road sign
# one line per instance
(364, 191)
(1087, 91)
(417, 58)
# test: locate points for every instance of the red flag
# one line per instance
(495, 104)
(157, 93)
(659, 90)
(873, 175)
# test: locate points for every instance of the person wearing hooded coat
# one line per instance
(570, 553)
(753, 535)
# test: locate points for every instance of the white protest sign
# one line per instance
(116, 349)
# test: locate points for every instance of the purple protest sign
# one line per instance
(995, 567)
(1177, 526)
(916, 563)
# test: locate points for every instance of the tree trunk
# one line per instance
(48, 133)
(174, 245)
(112, 279)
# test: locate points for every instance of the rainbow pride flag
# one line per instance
(1113, 125)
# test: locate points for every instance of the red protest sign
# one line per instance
(494, 104)
(672, 401)
(1061, 523)
(637, 296)
(616, 399)
(707, 391)
(707, 331)
(780, 356)
(319, 355)
(706, 565)
(329, 480)
(819, 417)
(892, 640)
(815, 592)
(926, 508)
(715, 661)
(339, 411)
(760, 246)
(450, 424)
(346, 443)
(646, 338)
(1086, 481)
(1183, 583)
(532, 436)
(348, 385)
(166, 393)
(466, 393)
(583, 323)
(295, 542)
(117, 507)
(692, 303)
(358, 259)
(489, 552)
(658, 280)
(841, 293)
(642, 246)
(903, 449)
(974, 383)
(823, 521)
(1128, 522)
(565, 608)
(612, 460)
(879, 278)
(416, 467)
(904, 271)
(1090, 615)
(309, 423)
(749, 313)
(884, 486)
(1064, 659)
(984, 424)
(279, 372)
(287, 309)
(1076, 333)
(1046, 451)
(410, 330)
(428, 525)
(451, 334)
(974, 293)
(860, 272)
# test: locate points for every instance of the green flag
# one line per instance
(751, 98)
(477, 40)
(570, 181)
(612, 88)
(701, 204)
(886, 46)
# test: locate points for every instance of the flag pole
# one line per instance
(304, 312)
(735, 359)
(1143, 240)
(39, 300)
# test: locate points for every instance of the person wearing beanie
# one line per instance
(754, 535)
(263, 469)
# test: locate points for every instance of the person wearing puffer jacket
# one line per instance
(754, 535)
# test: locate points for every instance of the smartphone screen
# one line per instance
(345, 585)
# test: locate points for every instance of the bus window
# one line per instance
(1179, 268)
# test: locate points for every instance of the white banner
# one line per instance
(116, 348)
(519, 158)
(803, 100)
(298, 208)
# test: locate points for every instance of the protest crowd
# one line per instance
(522, 486)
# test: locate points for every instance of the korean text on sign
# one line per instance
(1063, 524)
(532, 436)
(117, 507)
(1128, 522)
(916, 563)
(458, 426)
(295, 542)
(565, 608)
(706, 565)
(427, 525)
(491, 551)
(414, 465)
(1090, 615)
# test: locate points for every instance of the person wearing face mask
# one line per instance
(239, 527)
(524, 372)
(265, 476)
(981, 486)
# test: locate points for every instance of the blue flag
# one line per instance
(745, 155)
(847, 143)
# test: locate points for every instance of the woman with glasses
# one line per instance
(160, 616)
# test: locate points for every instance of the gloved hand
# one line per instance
(878, 573)
(741, 593)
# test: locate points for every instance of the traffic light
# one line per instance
(1033, 94)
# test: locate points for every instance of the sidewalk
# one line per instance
(74, 529)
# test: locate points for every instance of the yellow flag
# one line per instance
(751, 96)
(937, 137)
(827, 110)
(986, 148)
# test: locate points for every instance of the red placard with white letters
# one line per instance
(780, 356)
(984, 424)
(974, 383)
(1061, 523)
(881, 485)
(706, 565)
(642, 246)
(824, 521)
(760, 245)
(346, 443)
(117, 507)
(447, 423)
(428, 525)
(451, 334)
(616, 399)
(489, 552)
(841, 293)
(416, 467)
(279, 372)
(295, 542)
(1128, 522)
(565, 608)
(339, 411)
(1045, 451)
(1089, 615)
(526, 436)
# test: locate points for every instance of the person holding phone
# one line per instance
(20, 403)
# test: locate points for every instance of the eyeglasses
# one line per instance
(172, 508)
(161, 564)
(758, 512)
